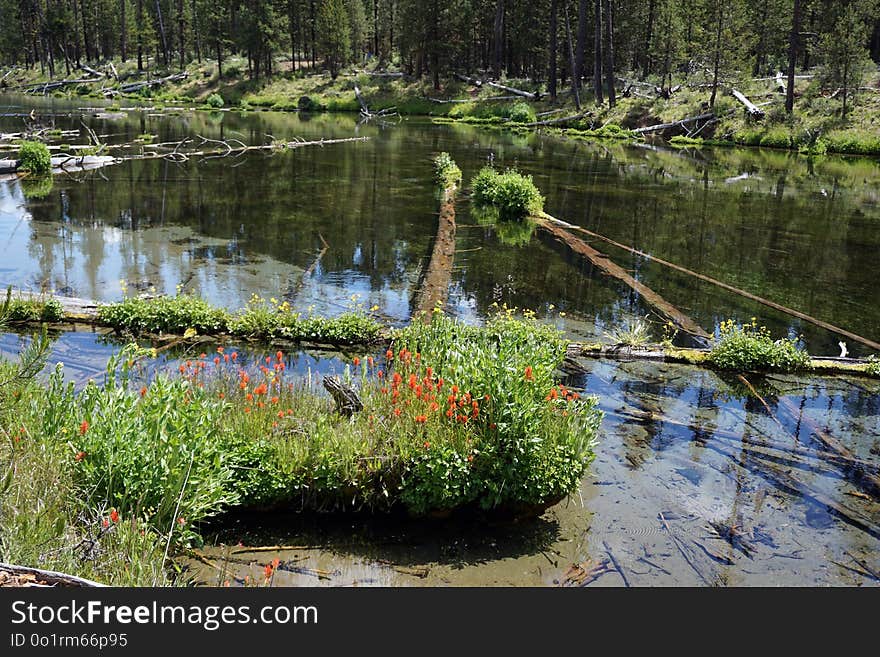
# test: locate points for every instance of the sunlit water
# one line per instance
(683, 454)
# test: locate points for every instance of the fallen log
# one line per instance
(434, 288)
(91, 71)
(157, 82)
(531, 95)
(469, 80)
(676, 124)
(730, 288)
(565, 119)
(601, 261)
(753, 110)
(40, 577)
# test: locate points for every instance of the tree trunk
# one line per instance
(581, 42)
(717, 64)
(551, 75)
(649, 35)
(571, 62)
(291, 27)
(597, 51)
(498, 35)
(140, 41)
(792, 55)
(312, 28)
(181, 29)
(123, 31)
(609, 53)
(162, 33)
(196, 31)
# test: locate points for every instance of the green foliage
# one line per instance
(34, 156)
(521, 112)
(161, 454)
(513, 195)
(215, 100)
(776, 138)
(26, 310)
(749, 347)
(335, 34)
(873, 366)
(855, 142)
(166, 314)
(682, 141)
(634, 333)
(446, 171)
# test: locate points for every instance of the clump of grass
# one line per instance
(635, 333)
(446, 171)
(748, 347)
(512, 194)
(34, 156)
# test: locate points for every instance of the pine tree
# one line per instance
(334, 34)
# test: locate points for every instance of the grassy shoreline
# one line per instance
(814, 129)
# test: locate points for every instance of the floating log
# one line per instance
(730, 288)
(434, 289)
(601, 261)
(753, 110)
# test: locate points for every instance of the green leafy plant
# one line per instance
(215, 100)
(873, 366)
(750, 347)
(166, 314)
(513, 195)
(34, 156)
(521, 112)
(446, 171)
(635, 333)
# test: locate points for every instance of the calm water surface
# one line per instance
(694, 482)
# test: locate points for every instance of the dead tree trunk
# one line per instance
(597, 51)
(609, 53)
(551, 75)
(792, 55)
(754, 111)
(606, 266)
(575, 82)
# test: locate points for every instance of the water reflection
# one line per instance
(798, 231)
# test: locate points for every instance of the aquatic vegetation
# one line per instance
(165, 314)
(32, 309)
(635, 333)
(446, 171)
(514, 195)
(37, 186)
(750, 347)
(34, 156)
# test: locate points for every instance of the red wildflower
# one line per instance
(439, 383)
(449, 413)
(528, 375)
(114, 515)
(356, 361)
(427, 445)
(181, 521)
(143, 391)
(219, 350)
(380, 374)
(83, 427)
(234, 355)
(279, 356)
(370, 361)
(203, 355)
(421, 419)
(389, 354)
(79, 456)
(216, 360)
(397, 412)
(274, 400)
(105, 522)
(454, 390)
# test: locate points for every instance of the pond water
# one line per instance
(695, 482)
(797, 231)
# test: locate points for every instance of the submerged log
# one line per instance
(434, 289)
(753, 110)
(601, 261)
(730, 288)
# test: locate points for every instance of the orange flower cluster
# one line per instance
(561, 392)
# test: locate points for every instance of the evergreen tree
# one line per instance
(334, 34)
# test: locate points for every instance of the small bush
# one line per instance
(34, 156)
(776, 138)
(521, 113)
(215, 100)
(749, 347)
(446, 171)
(873, 366)
(512, 194)
(34, 310)
(308, 104)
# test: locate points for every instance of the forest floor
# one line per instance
(816, 125)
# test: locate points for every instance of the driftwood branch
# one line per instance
(753, 110)
(47, 577)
